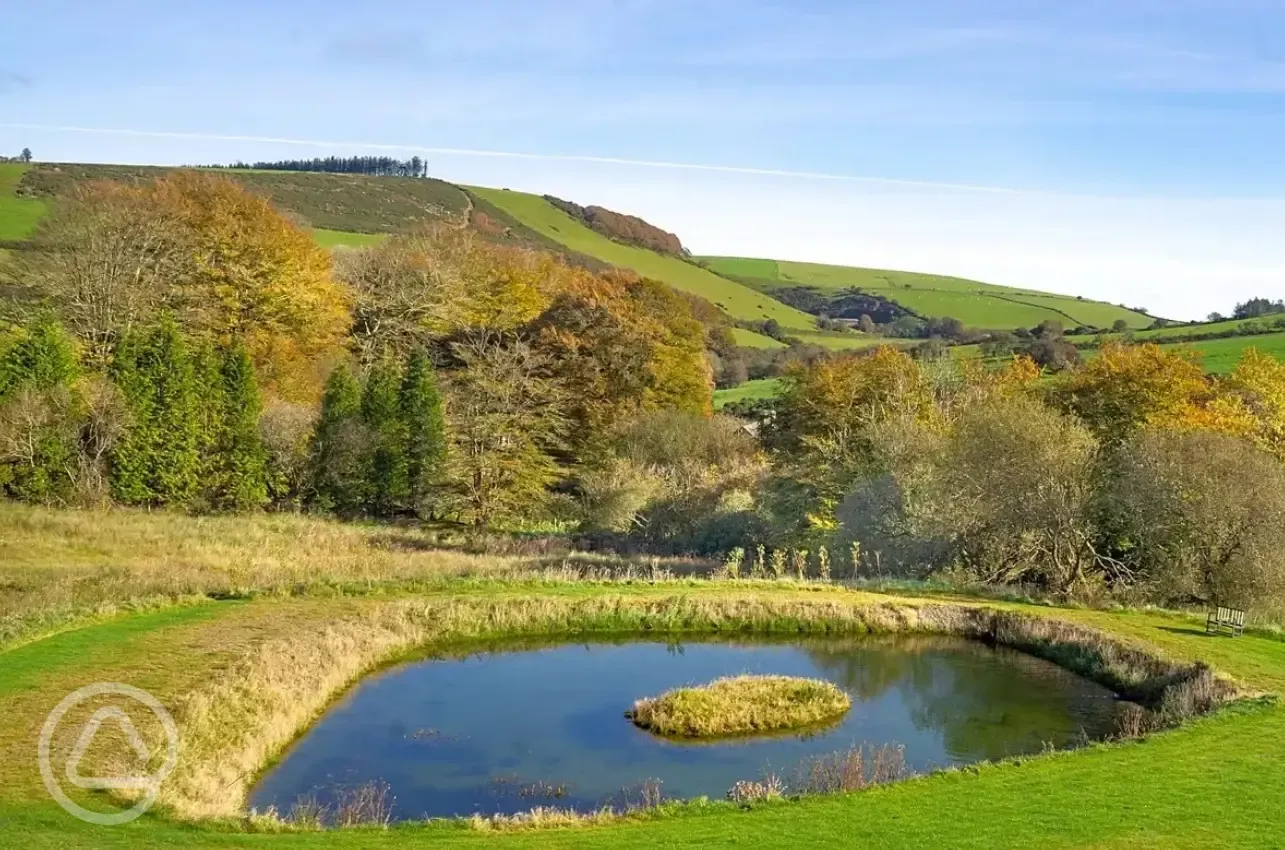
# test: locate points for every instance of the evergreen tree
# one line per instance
(425, 430)
(157, 461)
(43, 359)
(40, 413)
(387, 486)
(237, 479)
(338, 445)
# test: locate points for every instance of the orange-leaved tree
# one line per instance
(256, 277)
(1128, 387)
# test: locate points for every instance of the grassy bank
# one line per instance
(1200, 780)
(243, 713)
(294, 610)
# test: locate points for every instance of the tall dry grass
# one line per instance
(58, 567)
(234, 723)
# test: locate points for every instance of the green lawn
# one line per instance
(345, 239)
(18, 216)
(737, 300)
(748, 391)
(1217, 783)
(976, 304)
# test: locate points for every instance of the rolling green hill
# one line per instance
(976, 304)
(736, 299)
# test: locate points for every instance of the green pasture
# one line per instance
(976, 304)
(344, 239)
(18, 215)
(737, 300)
(749, 391)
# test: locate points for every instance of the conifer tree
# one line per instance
(237, 479)
(157, 461)
(387, 487)
(40, 411)
(338, 446)
(43, 359)
(425, 431)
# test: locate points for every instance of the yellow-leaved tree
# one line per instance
(1259, 382)
(1129, 387)
(824, 421)
(223, 261)
(258, 277)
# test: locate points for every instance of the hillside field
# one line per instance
(749, 391)
(18, 215)
(976, 304)
(737, 300)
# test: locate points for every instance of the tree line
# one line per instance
(192, 348)
(374, 166)
(435, 374)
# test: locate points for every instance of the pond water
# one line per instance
(511, 728)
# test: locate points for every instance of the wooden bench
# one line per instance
(1232, 620)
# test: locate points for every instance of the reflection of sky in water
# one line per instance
(459, 736)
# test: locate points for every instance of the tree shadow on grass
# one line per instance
(1190, 631)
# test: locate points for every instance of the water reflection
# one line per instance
(525, 725)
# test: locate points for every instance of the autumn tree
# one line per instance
(506, 420)
(1203, 516)
(108, 259)
(623, 345)
(227, 264)
(255, 277)
(1258, 382)
(1127, 387)
(820, 429)
(413, 291)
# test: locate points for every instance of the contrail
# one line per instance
(547, 157)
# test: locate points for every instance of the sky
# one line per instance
(1126, 150)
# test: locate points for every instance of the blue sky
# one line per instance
(1122, 149)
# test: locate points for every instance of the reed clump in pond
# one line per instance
(740, 705)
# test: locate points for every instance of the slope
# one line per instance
(737, 300)
(976, 304)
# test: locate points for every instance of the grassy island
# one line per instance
(738, 705)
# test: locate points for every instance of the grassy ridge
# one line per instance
(346, 202)
(737, 300)
(976, 304)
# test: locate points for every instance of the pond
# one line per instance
(510, 728)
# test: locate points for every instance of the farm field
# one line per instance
(755, 390)
(975, 303)
(1215, 782)
(340, 238)
(737, 300)
(18, 215)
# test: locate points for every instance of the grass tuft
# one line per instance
(741, 705)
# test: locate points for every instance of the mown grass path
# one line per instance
(1219, 782)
